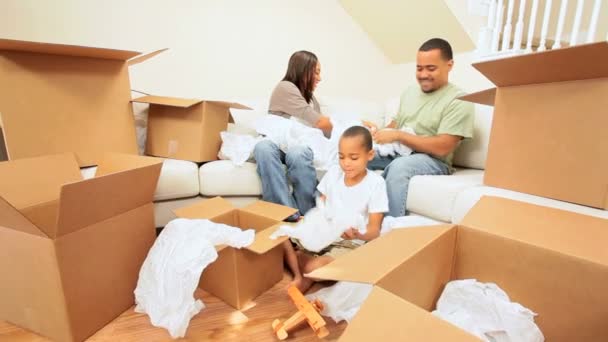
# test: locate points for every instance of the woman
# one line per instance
(293, 97)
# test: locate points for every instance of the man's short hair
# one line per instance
(438, 43)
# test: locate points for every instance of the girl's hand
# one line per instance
(350, 233)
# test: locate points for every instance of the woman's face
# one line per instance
(316, 76)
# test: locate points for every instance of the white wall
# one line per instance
(219, 49)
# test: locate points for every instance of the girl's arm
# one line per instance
(373, 227)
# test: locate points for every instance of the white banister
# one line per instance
(498, 25)
(506, 34)
(519, 27)
(560, 25)
(532, 26)
(593, 23)
(543, 34)
(577, 22)
(484, 41)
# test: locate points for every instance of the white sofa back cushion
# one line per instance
(349, 109)
(472, 152)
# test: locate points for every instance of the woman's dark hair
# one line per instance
(301, 72)
(360, 131)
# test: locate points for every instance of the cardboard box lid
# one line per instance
(76, 50)
(392, 249)
(207, 209)
(55, 85)
(80, 202)
(562, 231)
(579, 62)
(387, 317)
(186, 103)
(33, 181)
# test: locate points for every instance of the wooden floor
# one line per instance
(217, 321)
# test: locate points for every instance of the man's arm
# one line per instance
(439, 145)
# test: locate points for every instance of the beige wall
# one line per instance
(220, 49)
(229, 49)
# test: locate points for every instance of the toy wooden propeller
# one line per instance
(307, 311)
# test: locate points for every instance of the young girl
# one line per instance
(351, 187)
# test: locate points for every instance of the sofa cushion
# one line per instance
(434, 196)
(472, 152)
(223, 178)
(467, 199)
(178, 179)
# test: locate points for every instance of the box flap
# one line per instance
(230, 104)
(85, 102)
(205, 209)
(389, 250)
(94, 200)
(485, 97)
(271, 210)
(387, 317)
(65, 50)
(11, 218)
(167, 101)
(579, 62)
(144, 57)
(32, 181)
(263, 243)
(118, 162)
(562, 231)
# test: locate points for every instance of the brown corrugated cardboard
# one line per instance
(62, 98)
(551, 261)
(240, 275)
(71, 249)
(549, 120)
(187, 129)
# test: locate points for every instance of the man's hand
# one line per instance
(370, 125)
(385, 136)
(350, 233)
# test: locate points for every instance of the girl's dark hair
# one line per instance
(301, 72)
(360, 131)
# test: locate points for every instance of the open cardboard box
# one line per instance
(551, 261)
(550, 122)
(63, 98)
(71, 249)
(240, 275)
(187, 129)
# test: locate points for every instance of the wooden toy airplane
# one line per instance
(307, 311)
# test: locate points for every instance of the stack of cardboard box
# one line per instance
(71, 249)
(547, 139)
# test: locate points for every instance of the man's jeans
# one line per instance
(275, 182)
(399, 170)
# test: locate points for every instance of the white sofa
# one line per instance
(442, 198)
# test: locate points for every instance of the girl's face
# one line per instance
(316, 76)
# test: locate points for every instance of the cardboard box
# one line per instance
(551, 261)
(71, 249)
(240, 275)
(549, 124)
(64, 98)
(187, 129)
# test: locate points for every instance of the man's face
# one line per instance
(432, 70)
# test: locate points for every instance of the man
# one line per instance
(440, 121)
